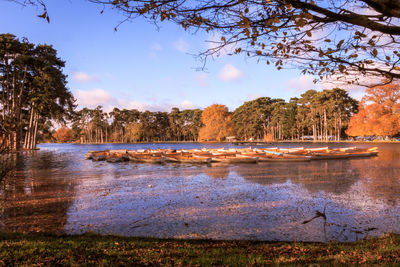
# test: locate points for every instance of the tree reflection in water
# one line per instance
(37, 195)
(218, 171)
(380, 176)
(329, 176)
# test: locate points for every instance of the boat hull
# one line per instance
(284, 159)
(147, 159)
(234, 160)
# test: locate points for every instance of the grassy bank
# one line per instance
(19, 249)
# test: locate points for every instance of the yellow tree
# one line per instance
(63, 135)
(217, 123)
(379, 112)
(134, 132)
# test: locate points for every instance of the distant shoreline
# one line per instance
(230, 142)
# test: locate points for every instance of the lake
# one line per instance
(55, 190)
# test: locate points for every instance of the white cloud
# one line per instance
(99, 97)
(230, 73)
(181, 45)
(302, 83)
(92, 98)
(201, 79)
(122, 103)
(186, 104)
(84, 77)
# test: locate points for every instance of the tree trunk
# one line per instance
(35, 132)
(314, 129)
(325, 125)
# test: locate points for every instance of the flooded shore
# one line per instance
(56, 190)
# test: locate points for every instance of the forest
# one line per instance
(315, 115)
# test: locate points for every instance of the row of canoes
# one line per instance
(244, 155)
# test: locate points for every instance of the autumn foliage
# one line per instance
(217, 123)
(63, 135)
(379, 112)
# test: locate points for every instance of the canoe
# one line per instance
(89, 154)
(188, 158)
(346, 149)
(359, 152)
(267, 157)
(202, 154)
(120, 151)
(284, 159)
(318, 149)
(240, 155)
(363, 154)
(116, 157)
(147, 158)
(295, 151)
(99, 155)
(329, 155)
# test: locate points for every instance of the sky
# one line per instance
(145, 66)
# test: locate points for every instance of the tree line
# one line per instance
(124, 126)
(314, 115)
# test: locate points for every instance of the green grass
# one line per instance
(95, 250)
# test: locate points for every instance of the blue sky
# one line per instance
(143, 67)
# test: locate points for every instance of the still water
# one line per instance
(55, 190)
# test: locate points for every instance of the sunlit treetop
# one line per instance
(347, 40)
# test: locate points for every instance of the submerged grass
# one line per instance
(92, 249)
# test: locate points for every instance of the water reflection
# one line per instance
(380, 176)
(56, 190)
(36, 196)
(330, 176)
(218, 171)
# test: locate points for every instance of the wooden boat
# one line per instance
(373, 151)
(296, 150)
(120, 151)
(284, 159)
(237, 158)
(147, 158)
(317, 149)
(187, 158)
(202, 153)
(116, 157)
(89, 154)
(97, 155)
(329, 155)
(240, 155)
(267, 157)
